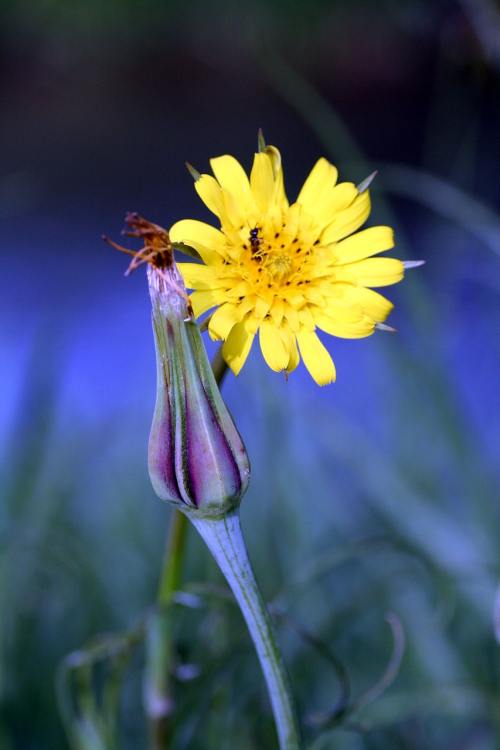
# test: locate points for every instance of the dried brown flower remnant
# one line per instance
(157, 250)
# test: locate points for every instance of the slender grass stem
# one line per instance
(224, 538)
(219, 367)
(171, 573)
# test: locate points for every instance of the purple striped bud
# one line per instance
(197, 459)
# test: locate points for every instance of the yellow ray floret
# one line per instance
(283, 270)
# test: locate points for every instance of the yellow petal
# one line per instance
(251, 324)
(314, 295)
(294, 356)
(235, 287)
(239, 211)
(262, 181)
(232, 177)
(280, 196)
(273, 347)
(203, 301)
(292, 318)
(346, 330)
(332, 201)
(197, 232)
(208, 256)
(237, 347)
(276, 311)
(198, 276)
(347, 220)
(247, 305)
(372, 303)
(275, 158)
(261, 307)
(316, 358)
(364, 244)
(372, 272)
(322, 177)
(291, 345)
(306, 318)
(341, 309)
(210, 193)
(223, 319)
(291, 219)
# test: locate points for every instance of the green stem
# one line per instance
(219, 367)
(158, 698)
(224, 538)
(173, 560)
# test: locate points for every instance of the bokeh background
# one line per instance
(377, 496)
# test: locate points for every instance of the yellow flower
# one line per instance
(283, 270)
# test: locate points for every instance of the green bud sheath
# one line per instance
(197, 459)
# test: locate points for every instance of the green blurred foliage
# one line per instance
(345, 522)
(376, 537)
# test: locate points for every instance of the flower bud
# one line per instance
(197, 459)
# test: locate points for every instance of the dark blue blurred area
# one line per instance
(101, 105)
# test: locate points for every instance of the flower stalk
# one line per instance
(223, 536)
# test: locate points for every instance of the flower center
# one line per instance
(272, 258)
(280, 266)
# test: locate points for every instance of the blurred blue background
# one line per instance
(377, 494)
